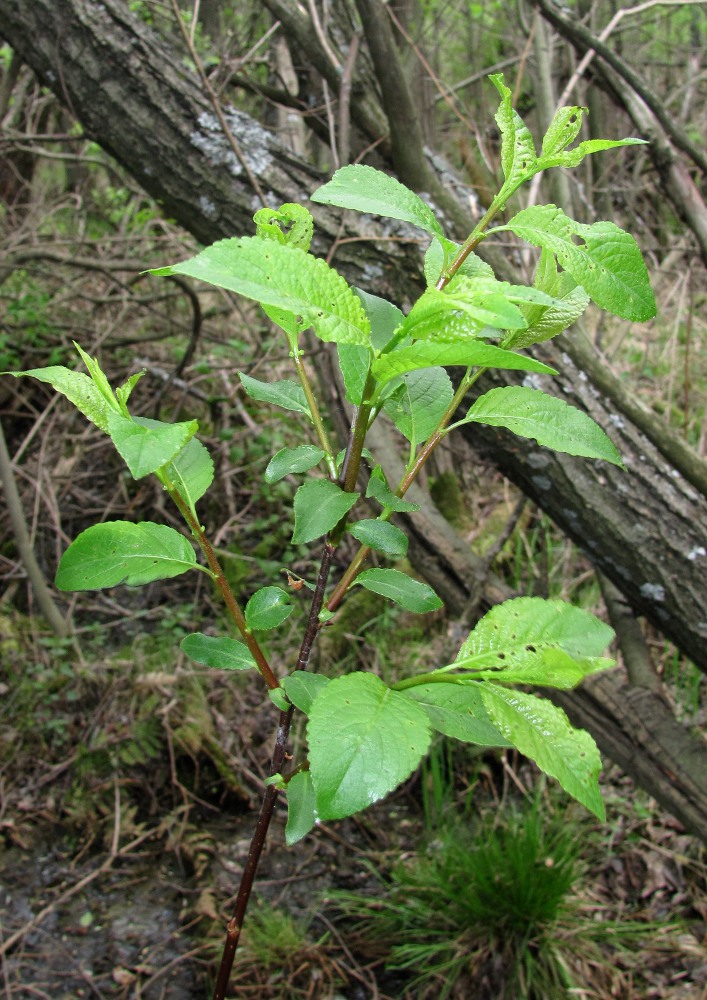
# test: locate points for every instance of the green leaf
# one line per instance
(78, 389)
(302, 687)
(437, 320)
(365, 189)
(548, 420)
(291, 223)
(384, 317)
(285, 277)
(573, 157)
(458, 711)
(463, 309)
(289, 460)
(534, 641)
(607, 261)
(562, 130)
(146, 445)
(220, 652)
(417, 406)
(279, 699)
(291, 324)
(425, 354)
(518, 153)
(544, 322)
(543, 733)
(379, 490)
(535, 619)
(98, 377)
(364, 740)
(381, 536)
(354, 362)
(319, 506)
(289, 395)
(191, 471)
(268, 608)
(400, 588)
(301, 807)
(122, 393)
(115, 552)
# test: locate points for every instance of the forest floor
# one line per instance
(121, 845)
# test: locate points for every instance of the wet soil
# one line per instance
(144, 927)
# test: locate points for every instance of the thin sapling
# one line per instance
(363, 736)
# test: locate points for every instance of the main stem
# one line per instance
(267, 808)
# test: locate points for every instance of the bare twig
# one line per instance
(615, 20)
(345, 98)
(321, 34)
(445, 93)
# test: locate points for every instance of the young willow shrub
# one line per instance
(365, 737)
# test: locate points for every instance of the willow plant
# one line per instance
(363, 736)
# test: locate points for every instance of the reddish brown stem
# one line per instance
(225, 589)
(267, 808)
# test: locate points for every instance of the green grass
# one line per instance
(282, 958)
(493, 909)
(475, 902)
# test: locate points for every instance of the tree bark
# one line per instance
(403, 120)
(646, 528)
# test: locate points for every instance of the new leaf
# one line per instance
(146, 445)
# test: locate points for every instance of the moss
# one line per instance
(448, 497)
